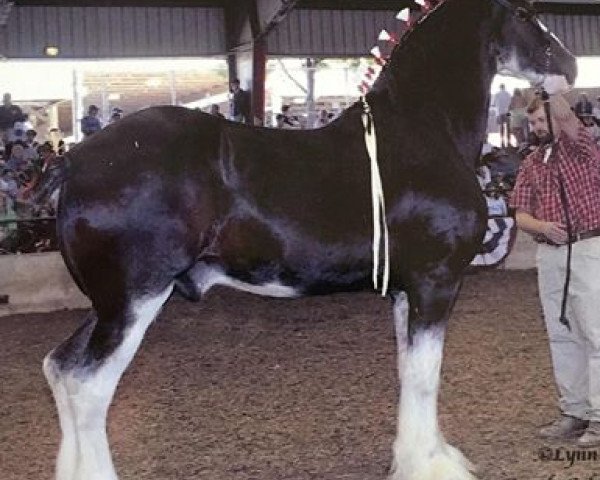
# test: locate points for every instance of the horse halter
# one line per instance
(521, 13)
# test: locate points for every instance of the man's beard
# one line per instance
(542, 138)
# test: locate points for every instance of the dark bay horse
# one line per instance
(172, 199)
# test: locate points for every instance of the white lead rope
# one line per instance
(378, 203)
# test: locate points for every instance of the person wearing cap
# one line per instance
(583, 105)
(591, 126)
(558, 185)
(90, 124)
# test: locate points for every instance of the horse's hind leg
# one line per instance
(83, 373)
(420, 451)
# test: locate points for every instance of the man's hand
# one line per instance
(556, 84)
(555, 232)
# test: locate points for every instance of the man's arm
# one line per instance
(564, 116)
(552, 231)
(582, 142)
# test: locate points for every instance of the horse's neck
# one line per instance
(441, 76)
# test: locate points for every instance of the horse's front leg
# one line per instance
(420, 451)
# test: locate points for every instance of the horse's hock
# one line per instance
(37, 282)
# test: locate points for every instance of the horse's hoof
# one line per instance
(444, 463)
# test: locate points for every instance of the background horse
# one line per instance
(169, 198)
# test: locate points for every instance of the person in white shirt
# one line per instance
(501, 102)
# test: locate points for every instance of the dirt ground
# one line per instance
(244, 387)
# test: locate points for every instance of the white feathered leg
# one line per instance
(420, 451)
(83, 392)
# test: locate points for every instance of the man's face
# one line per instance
(539, 124)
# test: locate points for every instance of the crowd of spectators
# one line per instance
(23, 159)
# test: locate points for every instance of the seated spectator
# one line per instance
(90, 124)
(16, 175)
(16, 159)
(9, 189)
(48, 156)
(30, 140)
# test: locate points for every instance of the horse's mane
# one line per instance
(406, 41)
(409, 33)
(415, 46)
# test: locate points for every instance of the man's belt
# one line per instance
(575, 237)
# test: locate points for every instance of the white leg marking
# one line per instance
(420, 451)
(83, 398)
(401, 327)
(67, 453)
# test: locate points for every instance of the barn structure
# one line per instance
(245, 33)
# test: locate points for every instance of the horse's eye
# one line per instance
(522, 14)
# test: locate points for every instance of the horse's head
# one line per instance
(525, 47)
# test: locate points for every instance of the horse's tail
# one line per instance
(50, 180)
